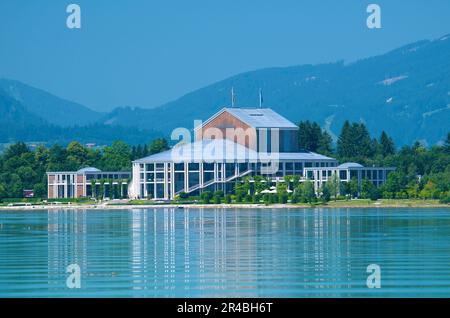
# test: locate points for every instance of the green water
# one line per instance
(225, 252)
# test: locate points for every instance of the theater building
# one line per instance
(87, 182)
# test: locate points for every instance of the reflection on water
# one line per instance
(234, 253)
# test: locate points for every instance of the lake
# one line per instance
(170, 252)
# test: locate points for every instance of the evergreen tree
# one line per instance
(386, 145)
(158, 145)
(325, 144)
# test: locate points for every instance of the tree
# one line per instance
(334, 185)
(325, 144)
(3, 193)
(101, 190)
(39, 190)
(282, 192)
(15, 150)
(355, 143)
(386, 145)
(429, 191)
(345, 148)
(312, 138)
(158, 145)
(93, 185)
(326, 193)
(117, 157)
(309, 135)
(77, 155)
(369, 190)
(447, 144)
(308, 191)
(353, 187)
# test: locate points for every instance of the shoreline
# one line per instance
(375, 205)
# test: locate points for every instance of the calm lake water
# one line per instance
(225, 253)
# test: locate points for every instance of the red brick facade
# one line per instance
(226, 121)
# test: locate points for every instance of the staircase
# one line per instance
(207, 184)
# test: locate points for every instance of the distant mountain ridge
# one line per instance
(19, 123)
(53, 109)
(405, 92)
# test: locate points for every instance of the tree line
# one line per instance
(421, 172)
(24, 169)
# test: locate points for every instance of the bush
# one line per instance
(445, 199)
(217, 199)
(206, 197)
(282, 198)
(227, 199)
(183, 195)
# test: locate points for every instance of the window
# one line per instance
(243, 167)
(289, 166)
(193, 179)
(179, 167)
(150, 177)
(208, 176)
(160, 190)
(179, 181)
(229, 170)
(208, 166)
(150, 190)
(194, 166)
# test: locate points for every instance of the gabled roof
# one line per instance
(203, 150)
(220, 150)
(257, 117)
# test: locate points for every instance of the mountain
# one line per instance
(405, 92)
(53, 109)
(19, 123)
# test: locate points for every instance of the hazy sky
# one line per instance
(145, 53)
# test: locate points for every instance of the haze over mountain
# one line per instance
(22, 122)
(405, 92)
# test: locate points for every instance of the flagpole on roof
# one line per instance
(233, 99)
(260, 98)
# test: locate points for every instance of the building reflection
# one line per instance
(213, 252)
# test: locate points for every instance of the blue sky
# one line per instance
(145, 53)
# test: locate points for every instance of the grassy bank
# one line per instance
(86, 203)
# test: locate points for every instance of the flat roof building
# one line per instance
(346, 172)
(87, 182)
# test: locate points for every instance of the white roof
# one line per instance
(88, 169)
(350, 165)
(258, 117)
(223, 150)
